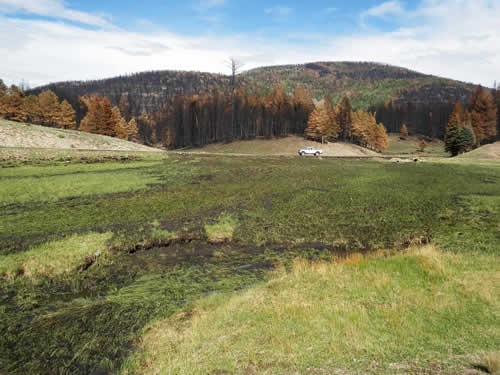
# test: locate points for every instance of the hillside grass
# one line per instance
(288, 146)
(486, 152)
(409, 146)
(171, 229)
(421, 311)
(17, 134)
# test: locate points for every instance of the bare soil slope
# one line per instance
(487, 152)
(286, 146)
(15, 134)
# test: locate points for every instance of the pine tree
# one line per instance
(67, 116)
(119, 124)
(484, 116)
(49, 108)
(106, 124)
(121, 129)
(132, 130)
(464, 140)
(13, 105)
(32, 109)
(91, 122)
(360, 128)
(451, 138)
(403, 132)
(317, 124)
(381, 138)
(458, 115)
(332, 129)
(344, 119)
(303, 105)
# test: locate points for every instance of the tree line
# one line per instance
(223, 115)
(474, 125)
(46, 109)
(218, 116)
(432, 119)
(43, 109)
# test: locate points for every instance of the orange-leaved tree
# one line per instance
(67, 116)
(49, 108)
(119, 124)
(91, 122)
(133, 132)
(483, 115)
(317, 124)
(403, 132)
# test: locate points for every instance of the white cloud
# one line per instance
(392, 7)
(54, 9)
(430, 40)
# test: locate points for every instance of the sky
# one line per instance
(44, 41)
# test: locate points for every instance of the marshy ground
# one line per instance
(148, 263)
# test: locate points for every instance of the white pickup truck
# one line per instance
(310, 151)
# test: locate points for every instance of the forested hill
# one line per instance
(146, 92)
(366, 84)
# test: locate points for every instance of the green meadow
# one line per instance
(163, 263)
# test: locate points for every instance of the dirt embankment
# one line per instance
(15, 134)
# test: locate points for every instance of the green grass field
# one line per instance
(122, 264)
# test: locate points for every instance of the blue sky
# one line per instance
(52, 40)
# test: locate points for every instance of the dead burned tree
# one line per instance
(235, 67)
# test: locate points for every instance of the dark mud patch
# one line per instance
(202, 178)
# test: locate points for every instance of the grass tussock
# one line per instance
(54, 258)
(491, 363)
(362, 314)
(222, 231)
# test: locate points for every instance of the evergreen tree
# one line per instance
(91, 122)
(381, 138)
(484, 116)
(12, 107)
(119, 124)
(132, 130)
(121, 129)
(67, 116)
(32, 109)
(106, 123)
(317, 124)
(464, 140)
(49, 108)
(451, 140)
(332, 129)
(344, 119)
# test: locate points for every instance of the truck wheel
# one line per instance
(316, 154)
(301, 153)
